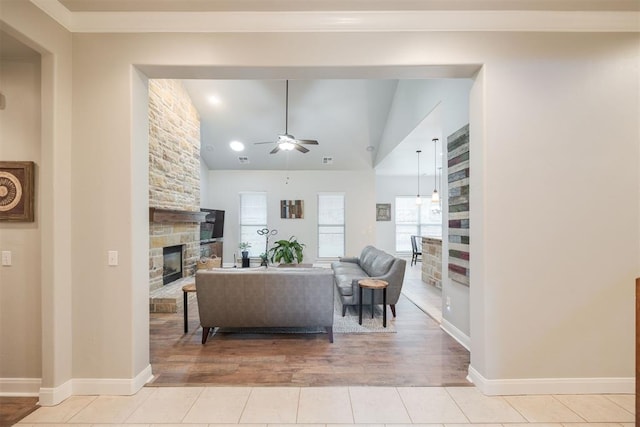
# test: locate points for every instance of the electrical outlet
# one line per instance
(6, 258)
(113, 258)
(448, 303)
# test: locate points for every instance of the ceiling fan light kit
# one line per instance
(286, 141)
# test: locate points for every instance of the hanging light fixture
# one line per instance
(418, 199)
(435, 197)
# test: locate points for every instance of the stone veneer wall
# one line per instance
(432, 261)
(174, 175)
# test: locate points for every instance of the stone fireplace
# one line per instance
(171, 263)
(174, 190)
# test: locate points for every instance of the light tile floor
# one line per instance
(334, 407)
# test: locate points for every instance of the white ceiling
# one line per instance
(346, 117)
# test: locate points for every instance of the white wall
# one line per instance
(556, 299)
(358, 188)
(31, 26)
(20, 312)
(387, 188)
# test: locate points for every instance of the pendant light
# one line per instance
(418, 199)
(435, 197)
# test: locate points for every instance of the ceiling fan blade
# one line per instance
(269, 142)
(307, 141)
(275, 150)
(300, 148)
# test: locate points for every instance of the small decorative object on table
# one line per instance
(245, 253)
(266, 232)
(206, 263)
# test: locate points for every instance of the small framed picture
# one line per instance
(16, 191)
(383, 211)
(292, 209)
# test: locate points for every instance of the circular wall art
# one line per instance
(17, 191)
(10, 191)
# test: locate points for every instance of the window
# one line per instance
(413, 219)
(253, 217)
(330, 225)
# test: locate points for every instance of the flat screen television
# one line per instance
(213, 225)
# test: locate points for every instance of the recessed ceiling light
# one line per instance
(236, 146)
(214, 100)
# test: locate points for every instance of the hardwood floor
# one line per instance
(419, 354)
(13, 409)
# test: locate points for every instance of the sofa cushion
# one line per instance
(380, 265)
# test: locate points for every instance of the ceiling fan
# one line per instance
(285, 141)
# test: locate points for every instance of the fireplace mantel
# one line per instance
(175, 216)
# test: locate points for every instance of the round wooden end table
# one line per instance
(373, 284)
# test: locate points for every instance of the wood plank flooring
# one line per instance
(419, 354)
(13, 409)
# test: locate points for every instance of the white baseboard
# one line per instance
(551, 385)
(51, 396)
(456, 334)
(112, 386)
(18, 387)
(94, 386)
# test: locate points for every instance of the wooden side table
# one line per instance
(191, 287)
(373, 284)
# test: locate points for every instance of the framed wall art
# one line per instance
(16, 191)
(383, 211)
(292, 209)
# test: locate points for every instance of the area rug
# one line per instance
(349, 323)
(341, 325)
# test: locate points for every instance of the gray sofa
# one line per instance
(372, 263)
(265, 297)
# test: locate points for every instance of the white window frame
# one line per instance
(257, 242)
(336, 225)
(427, 220)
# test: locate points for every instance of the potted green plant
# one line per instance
(286, 251)
(243, 247)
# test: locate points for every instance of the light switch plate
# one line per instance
(113, 257)
(6, 258)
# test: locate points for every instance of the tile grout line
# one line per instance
(446, 389)
(404, 404)
(569, 408)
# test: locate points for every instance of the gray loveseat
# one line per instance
(372, 263)
(265, 297)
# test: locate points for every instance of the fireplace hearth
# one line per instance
(172, 264)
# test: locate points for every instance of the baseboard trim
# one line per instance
(95, 386)
(51, 396)
(456, 334)
(551, 385)
(112, 386)
(19, 387)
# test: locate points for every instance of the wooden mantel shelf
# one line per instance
(169, 215)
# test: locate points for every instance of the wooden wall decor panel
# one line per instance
(458, 196)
